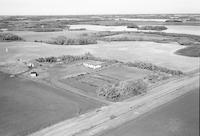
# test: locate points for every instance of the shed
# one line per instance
(34, 74)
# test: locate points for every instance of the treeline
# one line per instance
(157, 28)
(88, 56)
(174, 20)
(44, 29)
(9, 37)
(65, 58)
(122, 90)
(62, 40)
(47, 59)
(152, 67)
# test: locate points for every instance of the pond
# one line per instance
(142, 19)
(182, 29)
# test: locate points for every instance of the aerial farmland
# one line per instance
(88, 75)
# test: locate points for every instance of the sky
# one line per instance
(81, 7)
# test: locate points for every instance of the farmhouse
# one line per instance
(92, 65)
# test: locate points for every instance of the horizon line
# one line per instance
(99, 14)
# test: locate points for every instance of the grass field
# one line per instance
(157, 53)
(45, 36)
(27, 106)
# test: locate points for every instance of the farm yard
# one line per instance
(108, 76)
(90, 75)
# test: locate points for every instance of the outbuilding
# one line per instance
(92, 66)
(30, 65)
(34, 74)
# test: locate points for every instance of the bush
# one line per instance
(113, 117)
(9, 37)
(122, 90)
(47, 59)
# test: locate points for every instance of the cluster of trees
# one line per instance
(62, 40)
(152, 67)
(157, 28)
(66, 58)
(156, 77)
(122, 90)
(47, 59)
(9, 37)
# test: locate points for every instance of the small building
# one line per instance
(34, 74)
(91, 65)
(30, 65)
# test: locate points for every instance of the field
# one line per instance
(45, 36)
(27, 106)
(157, 53)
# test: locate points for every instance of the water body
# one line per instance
(142, 19)
(102, 28)
(171, 28)
(181, 29)
(178, 118)
(26, 106)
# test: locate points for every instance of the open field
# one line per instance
(157, 53)
(178, 117)
(27, 106)
(45, 36)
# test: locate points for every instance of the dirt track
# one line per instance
(115, 114)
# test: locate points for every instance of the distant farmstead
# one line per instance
(92, 66)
